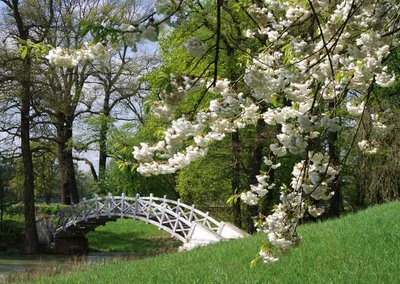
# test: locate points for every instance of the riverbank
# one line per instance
(123, 240)
(27, 268)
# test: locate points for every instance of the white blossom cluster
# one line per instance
(167, 152)
(129, 35)
(63, 57)
(179, 89)
(380, 128)
(355, 109)
(257, 191)
(368, 147)
(342, 61)
(281, 225)
(195, 47)
(314, 177)
(335, 67)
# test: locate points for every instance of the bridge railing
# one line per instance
(173, 216)
(190, 212)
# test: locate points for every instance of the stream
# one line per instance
(15, 264)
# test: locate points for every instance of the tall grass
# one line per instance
(358, 248)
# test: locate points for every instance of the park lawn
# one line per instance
(357, 248)
(127, 235)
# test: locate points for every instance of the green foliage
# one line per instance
(48, 210)
(99, 32)
(41, 210)
(207, 182)
(359, 248)
(45, 177)
(121, 176)
(370, 179)
(38, 49)
(288, 53)
(127, 180)
(85, 183)
(11, 233)
(11, 228)
(8, 230)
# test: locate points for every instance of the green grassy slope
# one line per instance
(358, 248)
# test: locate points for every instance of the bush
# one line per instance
(46, 210)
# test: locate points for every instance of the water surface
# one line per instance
(15, 264)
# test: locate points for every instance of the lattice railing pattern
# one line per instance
(172, 216)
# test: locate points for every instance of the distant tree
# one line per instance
(26, 23)
(46, 176)
(122, 176)
(7, 196)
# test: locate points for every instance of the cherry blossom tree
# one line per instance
(321, 60)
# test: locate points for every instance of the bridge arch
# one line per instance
(67, 229)
(175, 217)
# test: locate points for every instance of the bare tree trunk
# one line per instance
(236, 177)
(336, 204)
(103, 135)
(68, 186)
(70, 167)
(256, 161)
(2, 205)
(361, 182)
(31, 241)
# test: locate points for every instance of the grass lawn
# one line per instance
(127, 235)
(358, 248)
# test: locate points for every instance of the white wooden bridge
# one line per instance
(185, 223)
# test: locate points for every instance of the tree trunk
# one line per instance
(31, 242)
(103, 150)
(69, 190)
(103, 135)
(361, 182)
(236, 177)
(235, 140)
(2, 193)
(256, 161)
(70, 167)
(336, 203)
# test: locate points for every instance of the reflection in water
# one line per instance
(16, 264)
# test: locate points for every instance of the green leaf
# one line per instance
(21, 41)
(24, 52)
(288, 52)
(231, 200)
(147, 107)
(254, 262)
(274, 101)
(86, 27)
